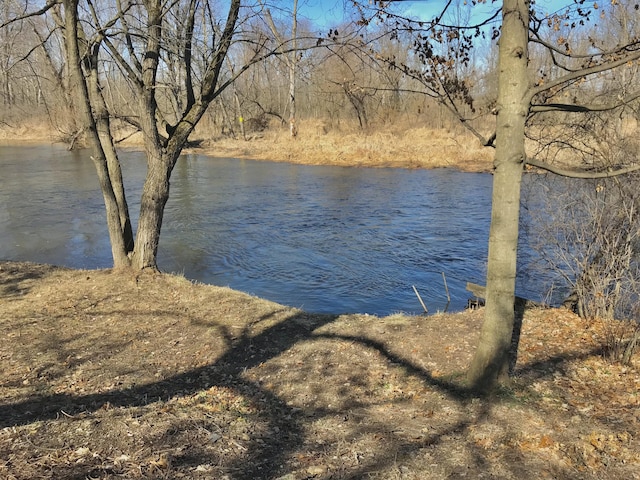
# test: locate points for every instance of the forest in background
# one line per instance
(344, 81)
(351, 77)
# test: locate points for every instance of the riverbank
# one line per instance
(116, 374)
(416, 147)
(399, 146)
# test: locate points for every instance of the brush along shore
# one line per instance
(399, 146)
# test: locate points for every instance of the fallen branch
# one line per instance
(446, 289)
(419, 298)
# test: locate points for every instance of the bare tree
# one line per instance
(521, 97)
(149, 47)
(21, 90)
(291, 59)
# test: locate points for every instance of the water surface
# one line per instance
(326, 239)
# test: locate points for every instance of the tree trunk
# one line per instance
(115, 175)
(118, 249)
(293, 62)
(239, 114)
(490, 364)
(103, 128)
(155, 194)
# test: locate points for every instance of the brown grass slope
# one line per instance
(109, 374)
(401, 145)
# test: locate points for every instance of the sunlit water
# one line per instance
(326, 239)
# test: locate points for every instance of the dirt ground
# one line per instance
(109, 374)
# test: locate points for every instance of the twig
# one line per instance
(419, 298)
(446, 289)
(244, 449)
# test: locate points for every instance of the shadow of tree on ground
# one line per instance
(265, 457)
(261, 459)
(16, 280)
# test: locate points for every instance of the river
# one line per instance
(325, 239)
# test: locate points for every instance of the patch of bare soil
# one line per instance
(109, 374)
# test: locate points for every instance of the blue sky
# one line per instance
(322, 12)
(332, 12)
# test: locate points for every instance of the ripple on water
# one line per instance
(328, 239)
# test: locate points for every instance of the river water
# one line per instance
(325, 239)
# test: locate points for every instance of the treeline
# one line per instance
(338, 79)
(356, 74)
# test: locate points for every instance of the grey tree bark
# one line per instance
(162, 156)
(103, 129)
(77, 80)
(162, 153)
(491, 360)
(291, 60)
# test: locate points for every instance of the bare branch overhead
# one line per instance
(577, 173)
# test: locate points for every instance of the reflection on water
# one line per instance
(326, 239)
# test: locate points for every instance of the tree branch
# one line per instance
(605, 66)
(44, 9)
(127, 35)
(552, 48)
(581, 173)
(568, 107)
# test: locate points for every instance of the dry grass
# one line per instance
(401, 146)
(109, 374)
(29, 132)
(316, 144)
